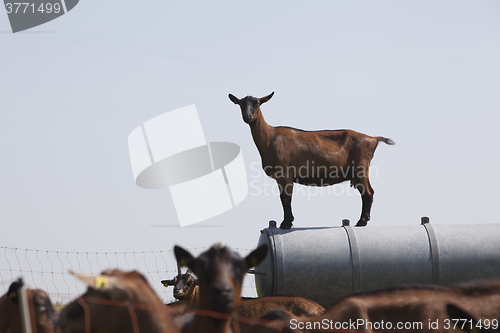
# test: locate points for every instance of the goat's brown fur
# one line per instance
(186, 290)
(43, 316)
(406, 305)
(317, 158)
(119, 287)
(299, 306)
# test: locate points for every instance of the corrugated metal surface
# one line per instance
(325, 264)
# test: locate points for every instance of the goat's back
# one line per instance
(258, 307)
(417, 304)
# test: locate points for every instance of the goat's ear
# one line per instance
(256, 256)
(184, 258)
(97, 282)
(234, 99)
(167, 283)
(262, 100)
(12, 293)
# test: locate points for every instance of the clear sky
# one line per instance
(424, 73)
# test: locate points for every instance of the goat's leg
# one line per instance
(286, 190)
(366, 192)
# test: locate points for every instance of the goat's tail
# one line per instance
(385, 140)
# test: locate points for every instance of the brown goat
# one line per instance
(187, 291)
(43, 313)
(116, 302)
(314, 158)
(410, 309)
(220, 273)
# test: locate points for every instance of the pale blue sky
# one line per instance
(424, 73)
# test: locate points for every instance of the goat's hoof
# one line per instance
(286, 225)
(361, 223)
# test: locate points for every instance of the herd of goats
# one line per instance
(123, 302)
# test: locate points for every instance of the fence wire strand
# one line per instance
(50, 270)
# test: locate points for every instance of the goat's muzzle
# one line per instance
(222, 298)
(179, 293)
(248, 118)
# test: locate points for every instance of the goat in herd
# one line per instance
(124, 302)
(44, 313)
(220, 272)
(186, 290)
(116, 302)
(315, 158)
(410, 309)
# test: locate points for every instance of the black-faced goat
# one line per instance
(186, 288)
(220, 273)
(315, 158)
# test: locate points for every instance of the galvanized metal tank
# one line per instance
(324, 264)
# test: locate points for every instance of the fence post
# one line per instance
(24, 308)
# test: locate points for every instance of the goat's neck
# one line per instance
(6, 313)
(203, 323)
(192, 300)
(261, 133)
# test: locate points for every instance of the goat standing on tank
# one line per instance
(328, 157)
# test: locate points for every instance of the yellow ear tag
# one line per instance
(100, 282)
(12, 295)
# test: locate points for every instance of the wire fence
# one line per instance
(50, 270)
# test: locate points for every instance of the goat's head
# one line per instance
(250, 106)
(43, 313)
(184, 284)
(105, 302)
(220, 273)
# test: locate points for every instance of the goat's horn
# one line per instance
(264, 99)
